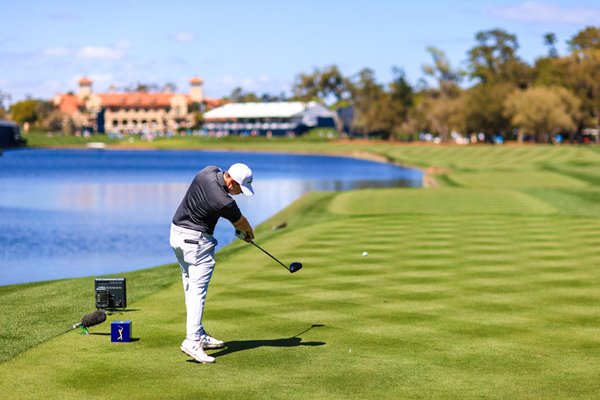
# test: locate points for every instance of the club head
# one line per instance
(295, 266)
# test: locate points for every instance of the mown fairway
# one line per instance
(485, 287)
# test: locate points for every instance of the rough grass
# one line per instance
(467, 293)
(35, 312)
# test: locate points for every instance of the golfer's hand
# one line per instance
(245, 236)
(244, 226)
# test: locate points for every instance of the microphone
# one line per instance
(91, 319)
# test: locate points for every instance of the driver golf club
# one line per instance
(295, 266)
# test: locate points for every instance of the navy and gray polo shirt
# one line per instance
(205, 202)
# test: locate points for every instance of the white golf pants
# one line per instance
(195, 252)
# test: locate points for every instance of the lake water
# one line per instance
(71, 213)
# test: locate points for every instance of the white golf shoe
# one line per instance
(194, 349)
(209, 342)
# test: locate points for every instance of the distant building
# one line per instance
(270, 119)
(10, 135)
(134, 112)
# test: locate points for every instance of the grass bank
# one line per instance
(485, 287)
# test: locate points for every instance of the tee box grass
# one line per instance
(482, 289)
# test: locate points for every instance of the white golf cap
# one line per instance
(242, 174)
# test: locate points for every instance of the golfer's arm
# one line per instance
(243, 225)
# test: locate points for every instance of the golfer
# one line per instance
(208, 198)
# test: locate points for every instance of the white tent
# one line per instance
(303, 113)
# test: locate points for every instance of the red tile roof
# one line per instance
(137, 99)
(69, 103)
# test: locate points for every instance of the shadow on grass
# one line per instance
(121, 311)
(241, 345)
(108, 334)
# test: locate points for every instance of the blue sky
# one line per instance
(260, 45)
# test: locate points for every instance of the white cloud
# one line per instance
(95, 52)
(183, 37)
(533, 11)
(55, 51)
(227, 80)
(101, 52)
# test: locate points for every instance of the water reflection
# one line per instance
(119, 198)
(74, 213)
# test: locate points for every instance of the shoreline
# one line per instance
(428, 180)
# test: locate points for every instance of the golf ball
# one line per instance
(365, 254)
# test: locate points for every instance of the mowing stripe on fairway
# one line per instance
(439, 201)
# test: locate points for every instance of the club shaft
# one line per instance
(269, 254)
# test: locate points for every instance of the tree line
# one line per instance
(506, 96)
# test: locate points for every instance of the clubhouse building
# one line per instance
(134, 112)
